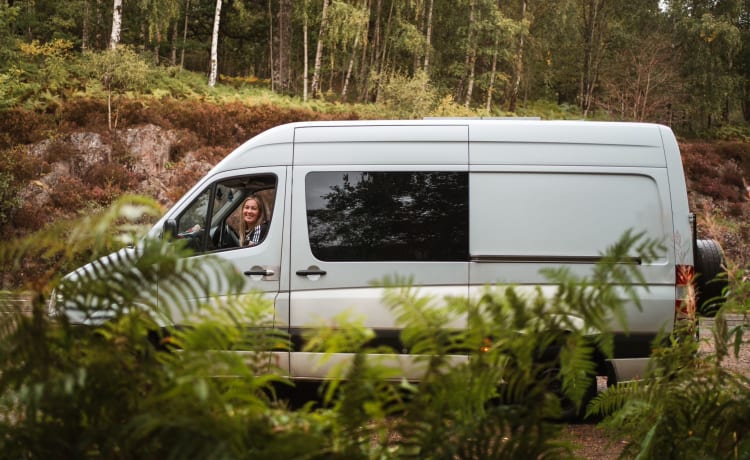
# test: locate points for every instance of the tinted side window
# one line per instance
(388, 216)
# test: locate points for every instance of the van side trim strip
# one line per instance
(549, 259)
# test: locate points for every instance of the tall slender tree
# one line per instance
(214, 63)
(595, 16)
(305, 53)
(114, 39)
(315, 87)
(283, 72)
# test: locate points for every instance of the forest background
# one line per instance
(77, 77)
(101, 98)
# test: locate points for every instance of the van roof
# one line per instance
(579, 141)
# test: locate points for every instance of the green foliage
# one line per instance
(689, 405)
(125, 387)
(529, 353)
(119, 70)
(407, 97)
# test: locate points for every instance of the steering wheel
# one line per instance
(228, 237)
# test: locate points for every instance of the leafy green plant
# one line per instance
(689, 405)
(131, 385)
(528, 361)
(119, 70)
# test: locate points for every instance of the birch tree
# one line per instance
(428, 38)
(518, 61)
(471, 54)
(305, 70)
(213, 66)
(116, 24)
(315, 87)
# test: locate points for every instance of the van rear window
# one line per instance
(388, 216)
(544, 215)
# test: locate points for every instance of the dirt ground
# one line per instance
(593, 443)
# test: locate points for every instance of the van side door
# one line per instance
(211, 224)
(356, 223)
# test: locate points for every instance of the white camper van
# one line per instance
(456, 204)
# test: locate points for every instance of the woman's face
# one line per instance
(251, 212)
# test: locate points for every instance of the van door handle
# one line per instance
(261, 272)
(311, 271)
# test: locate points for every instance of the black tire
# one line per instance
(711, 277)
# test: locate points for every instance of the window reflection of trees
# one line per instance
(415, 216)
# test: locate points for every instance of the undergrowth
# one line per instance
(102, 372)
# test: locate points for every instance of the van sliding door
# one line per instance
(356, 223)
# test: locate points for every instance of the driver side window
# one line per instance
(214, 221)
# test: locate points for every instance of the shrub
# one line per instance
(69, 193)
(19, 126)
(59, 150)
(407, 97)
(16, 169)
(110, 175)
(85, 112)
(117, 389)
(738, 152)
(688, 405)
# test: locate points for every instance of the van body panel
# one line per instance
(388, 145)
(269, 148)
(320, 366)
(682, 232)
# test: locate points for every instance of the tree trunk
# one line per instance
(116, 24)
(285, 46)
(85, 28)
(593, 43)
(419, 20)
(319, 51)
(384, 53)
(491, 86)
(184, 34)
(272, 43)
(99, 21)
(472, 70)
(361, 32)
(214, 64)
(173, 51)
(306, 59)
(350, 67)
(518, 65)
(471, 56)
(428, 39)
(367, 68)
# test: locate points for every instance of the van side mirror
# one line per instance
(170, 229)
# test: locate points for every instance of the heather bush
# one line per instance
(69, 193)
(110, 175)
(738, 152)
(59, 150)
(19, 126)
(16, 169)
(85, 113)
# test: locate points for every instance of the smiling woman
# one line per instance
(255, 223)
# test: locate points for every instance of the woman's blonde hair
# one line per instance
(262, 217)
